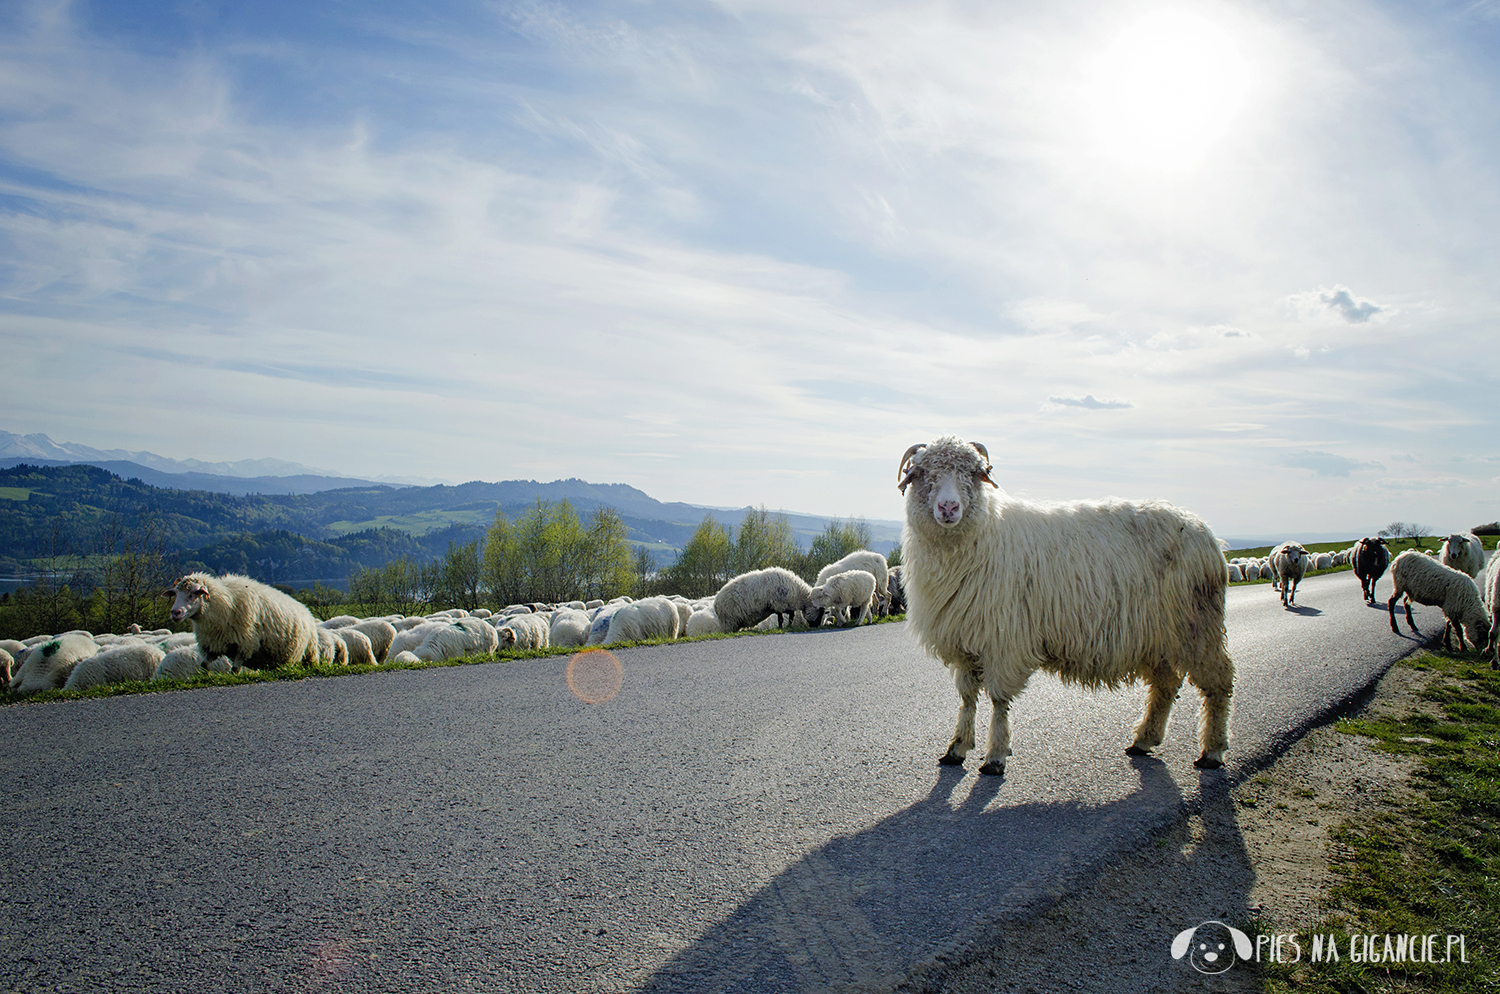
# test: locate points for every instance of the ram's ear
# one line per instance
(169, 592)
(1182, 941)
(984, 474)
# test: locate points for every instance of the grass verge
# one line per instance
(1431, 865)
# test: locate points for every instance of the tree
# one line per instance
(834, 543)
(764, 541)
(893, 558)
(460, 576)
(705, 564)
(1404, 529)
(608, 562)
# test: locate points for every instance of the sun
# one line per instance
(1166, 90)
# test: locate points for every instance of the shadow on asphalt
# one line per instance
(936, 884)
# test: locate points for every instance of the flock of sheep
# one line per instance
(240, 623)
(995, 587)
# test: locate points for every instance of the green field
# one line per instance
(14, 493)
(416, 524)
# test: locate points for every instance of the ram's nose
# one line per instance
(949, 511)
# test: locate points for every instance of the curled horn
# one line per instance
(985, 473)
(904, 474)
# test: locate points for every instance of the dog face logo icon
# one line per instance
(1212, 946)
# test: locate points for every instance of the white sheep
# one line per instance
(332, 651)
(1289, 565)
(569, 627)
(1492, 608)
(648, 618)
(1463, 552)
(1323, 560)
(1235, 575)
(457, 638)
(359, 650)
(127, 660)
(341, 621)
(408, 639)
(379, 631)
(1369, 557)
(1425, 580)
(7, 667)
(1100, 593)
(525, 631)
(836, 595)
(256, 626)
(871, 562)
(747, 599)
(188, 661)
(49, 663)
(703, 622)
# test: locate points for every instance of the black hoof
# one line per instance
(1204, 763)
(948, 759)
(1137, 751)
(994, 768)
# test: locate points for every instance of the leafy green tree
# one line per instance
(705, 564)
(460, 576)
(893, 558)
(763, 540)
(609, 565)
(835, 542)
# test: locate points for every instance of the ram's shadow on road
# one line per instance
(938, 883)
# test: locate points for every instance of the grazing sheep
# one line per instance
(360, 651)
(871, 562)
(123, 662)
(1492, 608)
(1289, 565)
(1464, 553)
(569, 627)
(256, 626)
(525, 631)
(1370, 557)
(49, 663)
(1100, 593)
(1235, 576)
(1427, 581)
(341, 621)
(380, 632)
(458, 638)
(648, 618)
(703, 622)
(331, 649)
(747, 599)
(836, 595)
(408, 639)
(1323, 560)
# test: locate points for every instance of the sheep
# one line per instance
(1370, 557)
(180, 664)
(380, 632)
(525, 631)
(871, 562)
(341, 621)
(1235, 576)
(1289, 565)
(837, 594)
(747, 599)
(359, 650)
(703, 622)
(1464, 553)
(1100, 593)
(256, 626)
(1427, 581)
(7, 667)
(1492, 607)
(1323, 560)
(128, 660)
(460, 637)
(409, 639)
(569, 627)
(648, 618)
(331, 649)
(895, 595)
(49, 663)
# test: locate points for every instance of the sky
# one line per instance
(1238, 256)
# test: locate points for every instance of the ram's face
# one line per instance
(944, 479)
(187, 602)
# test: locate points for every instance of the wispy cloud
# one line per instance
(1326, 463)
(1090, 402)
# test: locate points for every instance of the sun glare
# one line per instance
(1166, 90)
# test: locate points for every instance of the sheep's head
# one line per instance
(944, 476)
(189, 595)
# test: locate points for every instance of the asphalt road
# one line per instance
(759, 814)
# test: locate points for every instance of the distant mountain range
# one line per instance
(300, 521)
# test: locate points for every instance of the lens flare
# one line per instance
(595, 676)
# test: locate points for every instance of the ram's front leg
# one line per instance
(1003, 687)
(967, 679)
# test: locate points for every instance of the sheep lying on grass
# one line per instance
(50, 662)
(648, 618)
(1425, 580)
(123, 662)
(453, 640)
(1369, 557)
(256, 626)
(1100, 593)
(525, 631)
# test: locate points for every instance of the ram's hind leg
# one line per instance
(967, 679)
(1162, 684)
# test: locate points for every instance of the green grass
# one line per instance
(304, 673)
(1432, 864)
(14, 493)
(418, 524)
